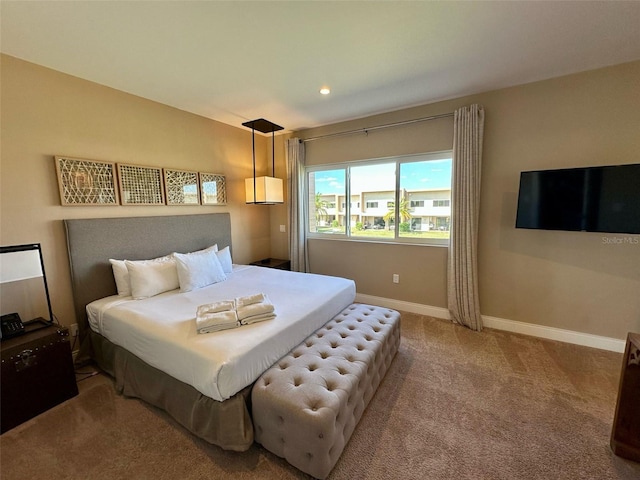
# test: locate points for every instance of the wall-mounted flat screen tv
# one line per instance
(591, 199)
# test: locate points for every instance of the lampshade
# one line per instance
(263, 190)
(267, 191)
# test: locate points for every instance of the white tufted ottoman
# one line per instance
(307, 405)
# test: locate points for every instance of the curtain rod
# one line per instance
(378, 127)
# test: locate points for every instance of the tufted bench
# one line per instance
(307, 405)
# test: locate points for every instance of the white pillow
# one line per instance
(152, 277)
(121, 273)
(121, 276)
(224, 256)
(212, 248)
(198, 269)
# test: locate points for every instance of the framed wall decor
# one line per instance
(181, 187)
(140, 185)
(86, 182)
(213, 189)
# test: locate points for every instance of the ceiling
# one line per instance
(241, 60)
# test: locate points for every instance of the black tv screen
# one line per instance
(591, 199)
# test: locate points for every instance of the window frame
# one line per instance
(348, 227)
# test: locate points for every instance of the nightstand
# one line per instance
(37, 373)
(273, 263)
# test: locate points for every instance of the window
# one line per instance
(400, 183)
(325, 188)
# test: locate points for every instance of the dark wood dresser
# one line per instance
(37, 373)
(625, 435)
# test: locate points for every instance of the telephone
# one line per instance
(11, 325)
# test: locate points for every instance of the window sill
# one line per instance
(376, 241)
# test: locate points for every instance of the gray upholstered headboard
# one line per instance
(92, 242)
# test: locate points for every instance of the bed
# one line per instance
(151, 346)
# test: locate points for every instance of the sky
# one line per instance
(414, 176)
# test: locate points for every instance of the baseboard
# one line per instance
(418, 308)
(552, 333)
(540, 331)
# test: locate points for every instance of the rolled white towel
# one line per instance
(250, 300)
(257, 318)
(255, 309)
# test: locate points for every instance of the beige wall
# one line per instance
(278, 213)
(46, 113)
(570, 280)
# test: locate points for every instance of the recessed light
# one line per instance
(325, 91)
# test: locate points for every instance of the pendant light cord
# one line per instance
(253, 147)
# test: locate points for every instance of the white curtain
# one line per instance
(296, 210)
(462, 282)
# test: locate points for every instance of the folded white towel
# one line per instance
(207, 319)
(213, 322)
(250, 300)
(216, 307)
(217, 328)
(254, 309)
(217, 316)
(257, 318)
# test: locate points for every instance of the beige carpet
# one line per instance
(454, 405)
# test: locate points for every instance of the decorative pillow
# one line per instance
(224, 256)
(198, 269)
(152, 277)
(121, 276)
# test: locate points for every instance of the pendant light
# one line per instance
(263, 190)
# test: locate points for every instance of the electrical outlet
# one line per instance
(73, 330)
(396, 278)
(283, 228)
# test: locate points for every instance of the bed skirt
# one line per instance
(226, 424)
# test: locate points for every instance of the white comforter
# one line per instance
(162, 330)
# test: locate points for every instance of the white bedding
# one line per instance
(161, 330)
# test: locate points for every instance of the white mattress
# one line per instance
(161, 330)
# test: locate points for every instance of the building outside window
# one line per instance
(324, 193)
(415, 190)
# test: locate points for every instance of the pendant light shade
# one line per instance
(263, 190)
